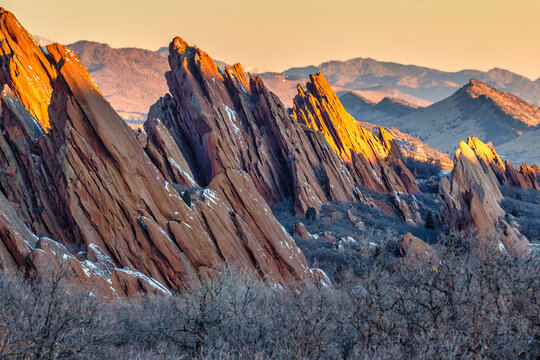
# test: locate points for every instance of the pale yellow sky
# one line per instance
(278, 34)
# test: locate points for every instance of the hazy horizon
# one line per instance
(448, 36)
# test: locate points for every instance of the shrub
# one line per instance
(186, 196)
(423, 169)
(477, 304)
(430, 224)
(311, 213)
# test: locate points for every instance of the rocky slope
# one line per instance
(476, 109)
(226, 120)
(89, 184)
(374, 158)
(471, 198)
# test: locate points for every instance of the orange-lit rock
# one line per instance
(89, 184)
(471, 197)
(523, 177)
(25, 68)
(378, 161)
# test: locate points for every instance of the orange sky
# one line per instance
(278, 34)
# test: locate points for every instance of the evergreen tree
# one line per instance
(311, 213)
(430, 224)
(186, 196)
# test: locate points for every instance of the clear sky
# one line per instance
(278, 34)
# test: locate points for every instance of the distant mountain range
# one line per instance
(131, 79)
(387, 110)
(415, 84)
(500, 118)
(382, 93)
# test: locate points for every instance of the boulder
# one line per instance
(417, 250)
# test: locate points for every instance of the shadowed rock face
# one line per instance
(89, 184)
(226, 120)
(377, 161)
(471, 197)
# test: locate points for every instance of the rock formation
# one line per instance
(417, 250)
(377, 161)
(471, 198)
(226, 120)
(523, 177)
(104, 192)
(25, 68)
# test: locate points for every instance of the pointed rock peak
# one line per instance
(25, 68)
(178, 45)
(465, 151)
(385, 135)
(237, 72)
(523, 177)
(182, 54)
(484, 151)
(300, 90)
(9, 21)
(509, 164)
(318, 84)
(62, 55)
(318, 78)
(60, 52)
(320, 109)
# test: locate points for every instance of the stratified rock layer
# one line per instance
(377, 161)
(523, 177)
(471, 199)
(226, 120)
(104, 192)
(25, 68)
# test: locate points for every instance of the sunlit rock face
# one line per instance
(377, 160)
(25, 68)
(104, 193)
(523, 177)
(471, 197)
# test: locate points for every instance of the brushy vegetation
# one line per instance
(474, 304)
(423, 169)
(524, 208)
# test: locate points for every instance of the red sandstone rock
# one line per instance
(89, 183)
(301, 231)
(417, 250)
(523, 177)
(25, 68)
(226, 120)
(319, 108)
(471, 198)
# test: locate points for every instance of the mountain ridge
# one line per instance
(476, 108)
(428, 84)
